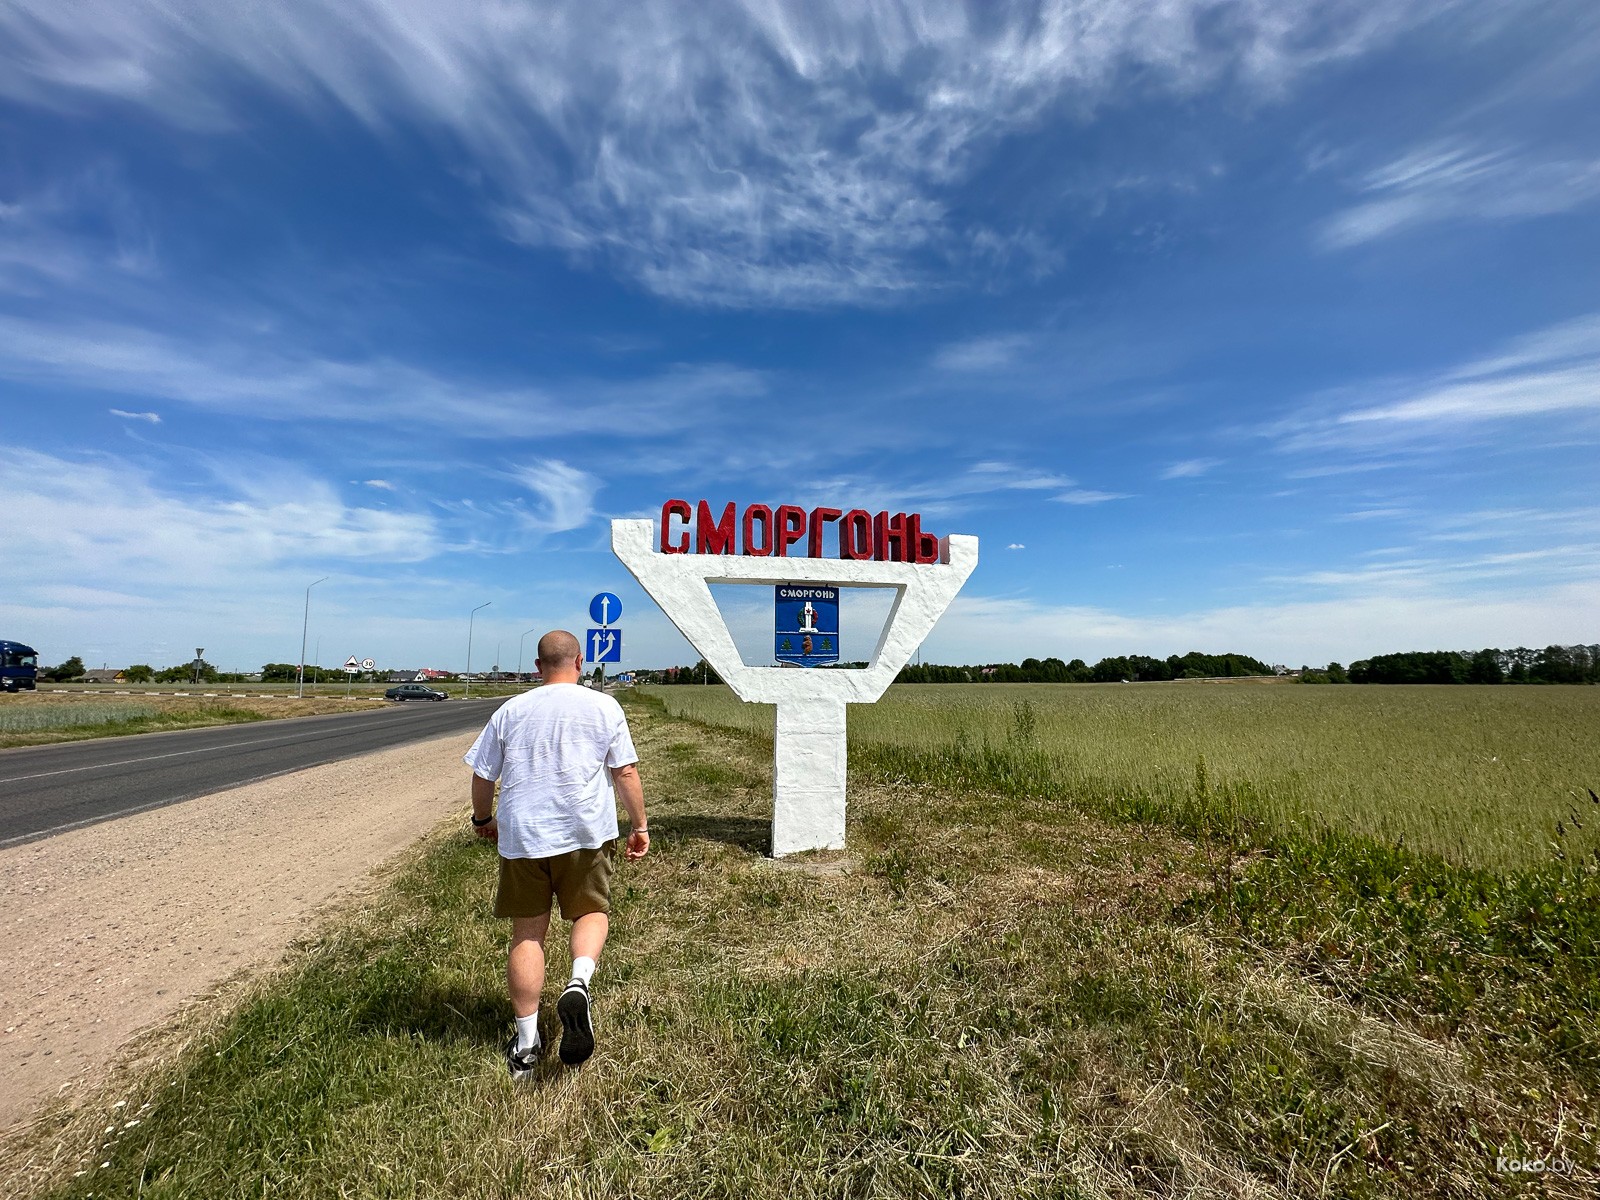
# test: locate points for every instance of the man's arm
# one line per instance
(483, 807)
(631, 792)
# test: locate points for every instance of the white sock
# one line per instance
(583, 969)
(528, 1032)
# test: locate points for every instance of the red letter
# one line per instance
(715, 537)
(750, 516)
(890, 539)
(791, 527)
(674, 508)
(924, 547)
(819, 518)
(855, 534)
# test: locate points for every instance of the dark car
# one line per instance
(415, 691)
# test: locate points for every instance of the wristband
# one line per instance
(477, 824)
(644, 829)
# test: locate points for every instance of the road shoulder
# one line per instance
(111, 929)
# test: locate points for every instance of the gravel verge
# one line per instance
(109, 930)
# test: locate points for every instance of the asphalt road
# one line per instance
(46, 790)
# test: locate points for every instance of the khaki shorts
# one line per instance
(580, 879)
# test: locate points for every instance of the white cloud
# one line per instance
(566, 495)
(1088, 496)
(153, 418)
(1189, 468)
(993, 476)
(1373, 619)
(1553, 371)
(383, 485)
(981, 354)
(107, 523)
(262, 380)
(791, 153)
(1016, 546)
(1456, 181)
(1519, 395)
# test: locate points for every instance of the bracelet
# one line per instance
(644, 829)
(477, 824)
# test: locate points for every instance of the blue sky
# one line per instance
(1252, 326)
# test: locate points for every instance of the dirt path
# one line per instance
(107, 930)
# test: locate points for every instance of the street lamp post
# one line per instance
(470, 617)
(523, 641)
(305, 621)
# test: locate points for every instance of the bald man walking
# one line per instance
(563, 757)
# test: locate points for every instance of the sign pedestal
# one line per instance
(808, 781)
(808, 777)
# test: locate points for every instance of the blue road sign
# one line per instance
(605, 646)
(806, 624)
(605, 609)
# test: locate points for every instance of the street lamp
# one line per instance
(470, 617)
(305, 621)
(520, 644)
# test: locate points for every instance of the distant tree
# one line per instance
(138, 673)
(70, 669)
(1485, 668)
(279, 673)
(185, 673)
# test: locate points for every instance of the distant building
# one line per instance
(103, 676)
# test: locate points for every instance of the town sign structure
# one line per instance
(882, 551)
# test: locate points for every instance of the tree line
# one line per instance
(1553, 664)
(1134, 668)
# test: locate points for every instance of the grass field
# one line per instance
(38, 718)
(987, 997)
(65, 713)
(1481, 775)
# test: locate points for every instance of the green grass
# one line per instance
(37, 718)
(1480, 775)
(989, 996)
(37, 723)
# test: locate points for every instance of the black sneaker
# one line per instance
(521, 1063)
(577, 1033)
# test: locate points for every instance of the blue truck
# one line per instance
(19, 667)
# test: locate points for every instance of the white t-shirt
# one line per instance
(550, 749)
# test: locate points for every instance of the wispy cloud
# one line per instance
(263, 380)
(1556, 370)
(981, 354)
(1374, 617)
(721, 153)
(1016, 546)
(994, 476)
(248, 524)
(566, 495)
(1089, 496)
(1190, 468)
(1458, 181)
(383, 485)
(153, 418)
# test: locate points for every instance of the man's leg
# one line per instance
(525, 963)
(588, 939)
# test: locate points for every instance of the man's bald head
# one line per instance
(559, 653)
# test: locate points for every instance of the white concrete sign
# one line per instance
(808, 802)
